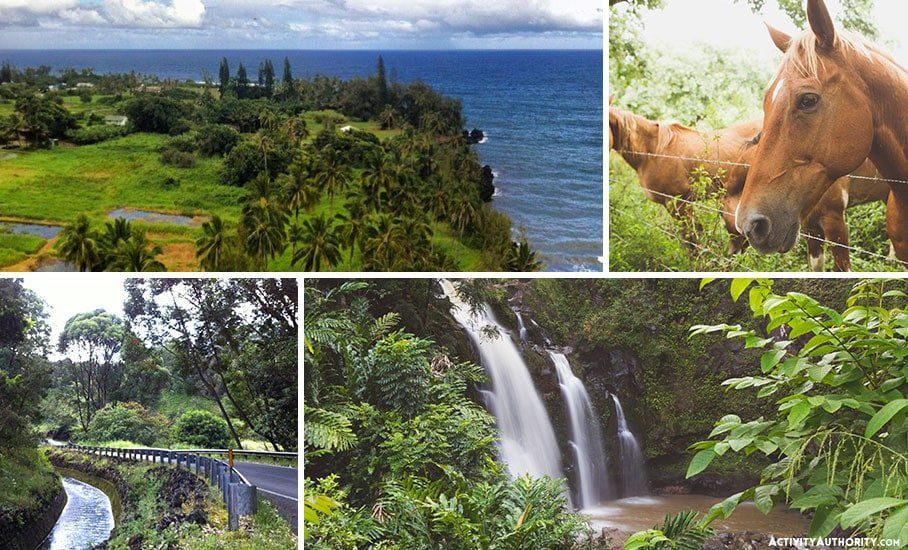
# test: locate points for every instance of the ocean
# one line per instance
(541, 112)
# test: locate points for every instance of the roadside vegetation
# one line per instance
(276, 174)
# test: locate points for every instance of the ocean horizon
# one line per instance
(541, 111)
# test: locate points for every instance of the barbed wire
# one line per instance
(741, 164)
(703, 206)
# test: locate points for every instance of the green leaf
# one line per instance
(884, 415)
(865, 509)
(763, 497)
(700, 461)
(738, 286)
(824, 520)
(798, 413)
(896, 527)
(770, 359)
(705, 281)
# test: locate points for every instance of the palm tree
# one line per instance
(381, 242)
(419, 241)
(264, 231)
(264, 144)
(211, 247)
(299, 191)
(296, 129)
(115, 232)
(320, 245)
(333, 175)
(352, 223)
(388, 118)
(521, 258)
(378, 179)
(462, 212)
(78, 244)
(136, 255)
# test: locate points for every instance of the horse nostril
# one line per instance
(757, 228)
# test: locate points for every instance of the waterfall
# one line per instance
(528, 444)
(633, 476)
(521, 328)
(586, 436)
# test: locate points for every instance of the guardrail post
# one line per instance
(240, 504)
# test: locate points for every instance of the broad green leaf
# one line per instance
(700, 461)
(896, 526)
(866, 509)
(824, 520)
(798, 413)
(763, 497)
(738, 286)
(770, 359)
(884, 415)
(705, 281)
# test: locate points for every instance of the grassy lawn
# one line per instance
(56, 185)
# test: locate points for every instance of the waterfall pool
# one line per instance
(86, 521)
(630, 515)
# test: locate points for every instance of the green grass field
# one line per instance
(644, 237)
(57, 185)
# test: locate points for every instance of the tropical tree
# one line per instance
(332, 174)
(264, 231)
(320, 245)
(383, 241)
(299, 190)
(352, 221)
(211, 247)
(78, 244)
(389, 118)
(135, 254)
(522, 259)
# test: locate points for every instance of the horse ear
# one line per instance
(611, 99)
(779, 38)
(821, 22)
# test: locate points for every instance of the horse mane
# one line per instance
(803, 53)
(629, 123)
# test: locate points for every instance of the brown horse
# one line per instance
(661, 176)
(638, 139)
(834, 102)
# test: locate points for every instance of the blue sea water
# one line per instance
(541, 111)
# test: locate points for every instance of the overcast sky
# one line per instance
(68, 295)
(300, 24)
(727, 24)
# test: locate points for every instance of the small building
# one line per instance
(85, 85)
(115, 120)
(143, 89)
(347, 129)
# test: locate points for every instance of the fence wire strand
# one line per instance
(702, 206)
(741, 164)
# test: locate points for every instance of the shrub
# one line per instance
(85, 96)
(156, 114)
(216, 139)
(201, 429)
(175, 157)
(242, 164)
(126, 421)
(96, 134)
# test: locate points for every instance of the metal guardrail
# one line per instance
(238, 494)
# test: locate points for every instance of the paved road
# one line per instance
(277, 484)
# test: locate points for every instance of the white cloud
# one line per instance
(150, 13)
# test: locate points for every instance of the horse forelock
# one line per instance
(803, 54)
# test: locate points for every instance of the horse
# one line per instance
(640, 141)
(835, 101)
(671, 176)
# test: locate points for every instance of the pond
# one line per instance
(53, 265)
(86, 521)
(38, 230)
(150, 216)
(640, 513)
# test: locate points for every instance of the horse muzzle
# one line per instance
(768, 235)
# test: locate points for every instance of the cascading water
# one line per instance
(521, 328)
(586, 436)
(633, 476)
(528, 444)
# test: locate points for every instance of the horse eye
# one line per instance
(808, 101)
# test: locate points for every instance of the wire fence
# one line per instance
(702, 206)
(741, 164)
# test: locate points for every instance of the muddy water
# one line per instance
(38, 230)
(86, 520)
(637, 514)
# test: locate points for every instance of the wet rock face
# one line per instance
(474, 136)
(486, 184)
(180, 491)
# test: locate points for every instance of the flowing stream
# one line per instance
(528, 444)
(586, 436)
(630, 457)
(86, 521)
